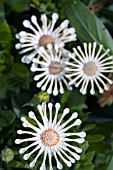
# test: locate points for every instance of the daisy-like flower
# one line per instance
(52, 137)
(50, 66)
(90, 67)
(41, 36)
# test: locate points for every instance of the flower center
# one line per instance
(50, 137)
(55, 68)
(90, 68)
(46, 39)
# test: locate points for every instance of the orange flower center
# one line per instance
(45, 40)
(50, 137)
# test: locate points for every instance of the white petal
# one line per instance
(18, 141)
(26, 23)
(55, 16)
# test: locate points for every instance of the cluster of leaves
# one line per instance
(17, 87)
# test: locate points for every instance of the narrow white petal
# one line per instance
(50, 161)
(76, 123)
(32, 116)
(43, 167)
(32, 164)
(57, 106)
(59, 165)
(72, 160)
(93, 51)
(65, 112)
(22, 150)
(74, 116)
(55, 91)
(76, 156)
(77, 149)
(69, 164)
(78, 140)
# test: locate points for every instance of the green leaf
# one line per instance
(73, 99)
(89, 28)
(95, 138)
(5, 33)
(99, 147)
(11, 82)
(64, 98)
(89, 167)
(6, 118)
(92, 2)
(2, 61)
(20, 69)
(36, 2)
(19, 5)
(16, 82)
(90, 156)
(4, 86)
(16, 107)
(85, 145)
(2, 13)
(110, 165)
(101, 166)
(89, 127)
(16, 164)
(106, 128)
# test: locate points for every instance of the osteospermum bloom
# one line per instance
(49, 66)
(90, 67)
(52, 137)
(41, 36)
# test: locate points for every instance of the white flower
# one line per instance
(50, 65)
(52, 137)
(89, 67)
(41, 36)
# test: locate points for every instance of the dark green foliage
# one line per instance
(18, 89)
(88, 25)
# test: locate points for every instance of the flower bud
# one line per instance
(42, 97)
(7, 155)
